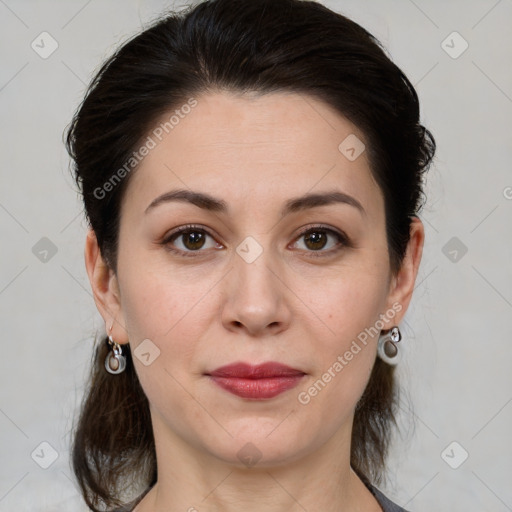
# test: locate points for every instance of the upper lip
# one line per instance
(260, 371)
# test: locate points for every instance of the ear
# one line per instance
(402, 284)
(105, 289)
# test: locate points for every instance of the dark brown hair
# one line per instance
(240, 46)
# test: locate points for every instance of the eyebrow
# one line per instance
(210, 203)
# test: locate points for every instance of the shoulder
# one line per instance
(386, 504)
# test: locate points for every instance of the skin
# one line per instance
(288, 306)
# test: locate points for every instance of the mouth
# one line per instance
(256, 382)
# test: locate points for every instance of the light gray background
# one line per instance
(458, 331)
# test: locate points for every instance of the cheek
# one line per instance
(347, 301)
(349, 306)
(162, 303)
(167, 311)
(344, 357)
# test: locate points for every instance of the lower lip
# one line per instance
(257, 389)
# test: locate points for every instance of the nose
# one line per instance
(257, 298)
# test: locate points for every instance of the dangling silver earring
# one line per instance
(386, 348)
(115, 362)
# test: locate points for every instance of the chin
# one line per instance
(258, 443)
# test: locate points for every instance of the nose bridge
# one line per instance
(256, 298)
(255, 261)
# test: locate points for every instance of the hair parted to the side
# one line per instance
(239, 46)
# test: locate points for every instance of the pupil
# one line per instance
(195, 240)
(316, 238)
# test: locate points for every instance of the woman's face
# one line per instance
(265, 278)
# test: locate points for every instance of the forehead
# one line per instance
(243, 146)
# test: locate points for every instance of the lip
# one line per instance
(256, 382)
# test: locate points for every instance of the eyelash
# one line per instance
(343, 240)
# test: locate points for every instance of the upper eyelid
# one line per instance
(183, 229)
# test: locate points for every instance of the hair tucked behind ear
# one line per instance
(240, 46)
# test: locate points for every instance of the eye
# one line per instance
(316, 238)
(194, 238)
(191, 238)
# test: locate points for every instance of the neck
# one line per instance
(195, 481)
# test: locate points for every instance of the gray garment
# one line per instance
(386, 504)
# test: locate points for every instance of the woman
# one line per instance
(251, 173)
